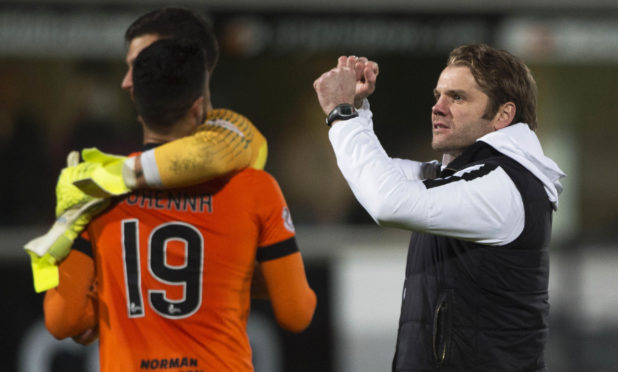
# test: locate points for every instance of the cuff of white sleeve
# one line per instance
(364, 105)
(365, 111)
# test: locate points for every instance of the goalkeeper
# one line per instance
(171, 272)
(226, 142)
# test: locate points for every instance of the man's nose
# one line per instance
(440, 107)
(127, 82)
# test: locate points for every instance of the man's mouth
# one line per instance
(439, 127)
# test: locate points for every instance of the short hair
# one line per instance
(168, 76)
(503, 77)
(181, 24)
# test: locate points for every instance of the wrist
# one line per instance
(150, 170)
(129, 173)
(358, 102)
(344, 111)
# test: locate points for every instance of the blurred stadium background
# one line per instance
(61, 63)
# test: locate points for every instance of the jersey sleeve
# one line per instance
(281, 263)
(226, 142)
(292, 299)
(70, 308)
(276, 222)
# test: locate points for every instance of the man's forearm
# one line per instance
(225, 143)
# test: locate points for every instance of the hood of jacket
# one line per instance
(520, 143)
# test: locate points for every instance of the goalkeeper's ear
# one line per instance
(198, 111)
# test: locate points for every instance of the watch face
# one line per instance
(341, 112)
(347, 110)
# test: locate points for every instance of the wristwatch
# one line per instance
(343, 111)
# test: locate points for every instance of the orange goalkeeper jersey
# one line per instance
(174, 271)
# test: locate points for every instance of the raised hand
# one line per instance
(353, 80)
(338, 85)
(366, 76)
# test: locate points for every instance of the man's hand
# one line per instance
(366, 76)
(67, 195)
(103, 175)
(74, 210)
(87, 337)
(353, 80)
(338, 85)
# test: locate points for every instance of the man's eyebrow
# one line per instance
(450, 92)
(456, 92)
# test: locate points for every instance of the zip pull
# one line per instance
(439, 331)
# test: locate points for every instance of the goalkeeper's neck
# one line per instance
(185, 126)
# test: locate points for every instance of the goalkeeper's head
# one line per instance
(168, 85)
(170, 23)
(181, 24)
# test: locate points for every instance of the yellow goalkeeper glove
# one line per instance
(74, 210)
(103, 175)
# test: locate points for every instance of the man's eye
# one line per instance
(457, 97)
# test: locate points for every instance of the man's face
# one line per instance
(135, 46)
(457, 115)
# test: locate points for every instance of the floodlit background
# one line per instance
(61, 64)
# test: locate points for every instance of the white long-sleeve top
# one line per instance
(485, 208)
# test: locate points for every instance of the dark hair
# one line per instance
(181, 24)
(168, 76)
(503, 77)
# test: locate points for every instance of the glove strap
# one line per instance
(128, 173)
(44, 272)
(151, 169)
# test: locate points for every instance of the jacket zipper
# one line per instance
(440, 331)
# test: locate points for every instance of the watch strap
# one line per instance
(343, 111)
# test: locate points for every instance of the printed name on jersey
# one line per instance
(168, 363)
(171, 200)
(287, 219)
